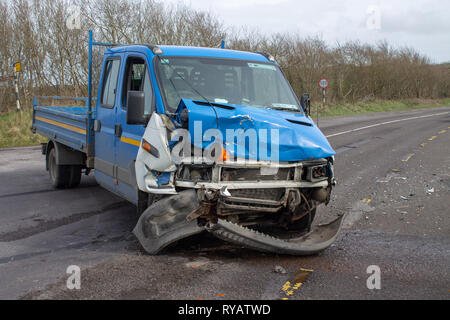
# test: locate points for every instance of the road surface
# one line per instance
(393, 172)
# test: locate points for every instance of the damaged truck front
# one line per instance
(200, 140)
(235, 154)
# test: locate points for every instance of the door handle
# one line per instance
(118, 130)
(97, 125)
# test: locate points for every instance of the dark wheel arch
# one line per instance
(64, 165)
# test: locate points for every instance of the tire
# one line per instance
(62, 177)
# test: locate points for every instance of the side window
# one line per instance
(148, 93)
(109, 87)
(137, 78)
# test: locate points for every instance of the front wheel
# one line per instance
(63, 176)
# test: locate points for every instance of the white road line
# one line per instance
(387, 122)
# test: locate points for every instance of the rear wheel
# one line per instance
(63, 176)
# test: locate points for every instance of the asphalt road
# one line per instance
(393, 172)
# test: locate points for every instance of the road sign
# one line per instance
(324, 83)
(17, 66)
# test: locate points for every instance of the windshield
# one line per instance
(225, 81)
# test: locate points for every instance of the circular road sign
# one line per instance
(324, 83)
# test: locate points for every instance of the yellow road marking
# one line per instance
(367, 200)
(299, 278)
(130, 141)
(442, 131)
(408, 157)
(60, 124)
(297, 285)
(395, 170)
(286, 286)
(423, 145)
(432, 138)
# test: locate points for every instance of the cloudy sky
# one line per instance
(421, 24)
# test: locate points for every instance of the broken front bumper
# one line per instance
(167, 221)
(320, 238)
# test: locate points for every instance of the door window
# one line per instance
(109, 87)
(137, 78)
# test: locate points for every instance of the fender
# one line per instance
(150, 164)
(64, 155)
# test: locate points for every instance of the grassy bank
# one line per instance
(15, 126)
(343, 109)
(15, 130)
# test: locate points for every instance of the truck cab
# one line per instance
(124, 69)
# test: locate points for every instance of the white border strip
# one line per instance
(383, 123)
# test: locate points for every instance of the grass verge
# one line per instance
(342, 109)
(15, 130)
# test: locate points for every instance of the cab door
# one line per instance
(105, 123)
(136, 77)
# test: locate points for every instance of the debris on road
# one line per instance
(197, 263)
(279, 269)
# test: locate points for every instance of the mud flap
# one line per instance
(320, 238)
(165, 221)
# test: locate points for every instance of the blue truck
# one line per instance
(200, 140)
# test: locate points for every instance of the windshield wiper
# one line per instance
(214, 104)
(285, 109)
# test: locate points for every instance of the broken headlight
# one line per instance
(316, 173)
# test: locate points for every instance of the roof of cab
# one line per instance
(194, 52)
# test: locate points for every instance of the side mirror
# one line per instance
(136, 107)
(306, 103)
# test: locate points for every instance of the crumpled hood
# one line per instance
(298, 137)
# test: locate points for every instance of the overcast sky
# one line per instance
(421, 24)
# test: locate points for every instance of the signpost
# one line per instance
(17, 68)
(323, 83)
